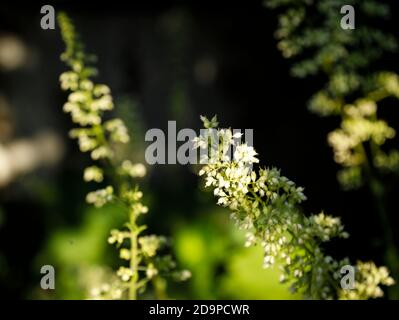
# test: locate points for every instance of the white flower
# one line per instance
(124, 273)
(101, 89)
(102, 152)
(137, 170)
(93, 173)
(100, 197)
(118, 130)
(124, 254)
(117, 237)
(151, 271)
(150, 245)
(245, 154)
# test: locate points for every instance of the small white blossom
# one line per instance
(124, 273)
(93, 173)
(100, 197)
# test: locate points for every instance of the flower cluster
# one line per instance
(355, 91)
(351, 92)
(87, 103)
(367, 283)
(99, 282)
(266, 205)
(359, 125)
(301, 31)
(93, 173)
(137, 170)
(100, 197)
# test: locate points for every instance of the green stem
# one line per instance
(133, 258)
(160, 288)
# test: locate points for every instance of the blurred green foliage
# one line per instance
(210, 247)
(76, 249)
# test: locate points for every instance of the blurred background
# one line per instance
(169, 61)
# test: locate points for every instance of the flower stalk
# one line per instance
(87, 103)
(267, 206)
(352, 92)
